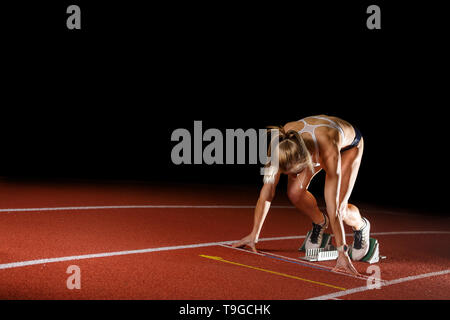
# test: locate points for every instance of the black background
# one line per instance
(102, 102)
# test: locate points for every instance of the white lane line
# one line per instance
(138, 207)
(128, 252)
(384, 284)
(399, 233)
(189, 246)
(105, 254)
(74, 208)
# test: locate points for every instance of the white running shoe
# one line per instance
(361, 242)
(314, 240)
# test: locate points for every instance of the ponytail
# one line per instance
(292, 151)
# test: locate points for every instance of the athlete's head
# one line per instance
(293, 155)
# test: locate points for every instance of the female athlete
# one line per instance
(305, 147)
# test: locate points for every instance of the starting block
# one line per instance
(320, 254)
(373, 255)
(328, 252)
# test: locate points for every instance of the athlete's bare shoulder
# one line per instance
(339, 121)
(293, 125)
(349, 132)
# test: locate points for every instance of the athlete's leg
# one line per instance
(350, 163)
(301, 198)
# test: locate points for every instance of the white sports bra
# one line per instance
(309, 128)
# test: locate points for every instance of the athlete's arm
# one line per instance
(266, 196)
(331, 163)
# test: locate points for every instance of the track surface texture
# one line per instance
(145, 241)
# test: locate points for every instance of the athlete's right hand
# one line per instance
(246, 241)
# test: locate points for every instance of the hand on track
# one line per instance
(247, 241)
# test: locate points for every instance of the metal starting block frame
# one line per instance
(320, 254)
(328, 252)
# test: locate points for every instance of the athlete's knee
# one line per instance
(350, 213)
(296, 195)
(352, 207)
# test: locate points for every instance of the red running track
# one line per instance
(136, 241)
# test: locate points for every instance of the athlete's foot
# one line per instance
(361, 243)
(315, 237)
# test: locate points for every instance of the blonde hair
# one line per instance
(292, 152)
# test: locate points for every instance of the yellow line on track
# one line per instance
(273, 272)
